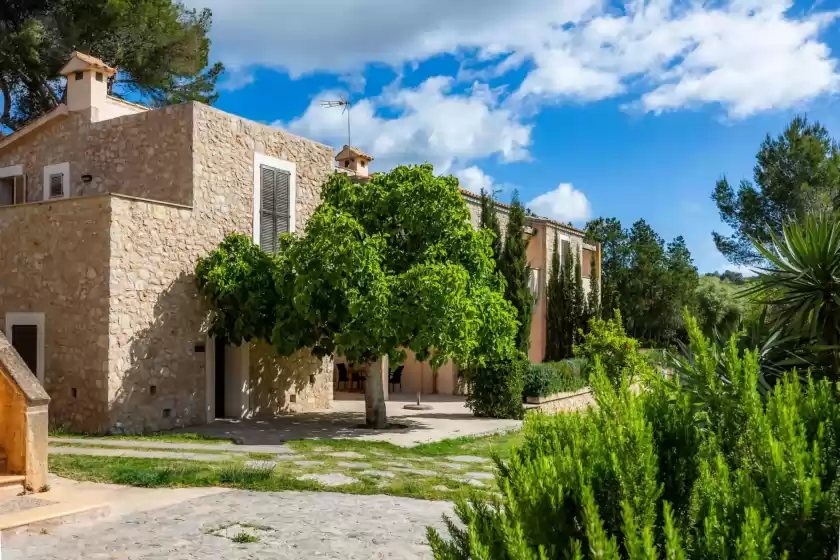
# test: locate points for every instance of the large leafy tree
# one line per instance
(159, 47)
(513, 265)
(795, 173)
(382, 267)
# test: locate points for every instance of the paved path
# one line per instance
(291, 525)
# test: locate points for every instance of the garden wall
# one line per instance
(561, 402)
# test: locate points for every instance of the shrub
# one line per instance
(618, 353)
(668, 473)
(554, 377)
(496, 389)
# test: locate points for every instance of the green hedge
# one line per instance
(549, 378)
(496, 389)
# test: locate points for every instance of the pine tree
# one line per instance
(514, 267)
(554, 313)
(580, 311)
(490, 220)
(594, 290)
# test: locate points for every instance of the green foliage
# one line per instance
(718, 305)
(382, 266)
(159, 46)
(489, 220)
(593, 304)
(795, 173)
(648, 281)
(555, 302)
(513, 264)
(617, 353)
(496, 388)
(801, 286)
(555, 377)
(659, 473)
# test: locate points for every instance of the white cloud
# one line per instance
(432, 125)
(564, 204)
(475, 180)
(236, 78)
(745, 55)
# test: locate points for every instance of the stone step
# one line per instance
(11, 481)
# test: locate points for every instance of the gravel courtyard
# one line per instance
(284, 525)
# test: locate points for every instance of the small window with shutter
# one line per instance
(275, 207)
(57, 185)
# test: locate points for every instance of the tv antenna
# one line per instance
(345, 105)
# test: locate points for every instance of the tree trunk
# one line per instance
(375, 416)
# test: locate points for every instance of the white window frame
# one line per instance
(55, 169)
(282, 165)
(14, 171)
(32, 319)
(534, 283)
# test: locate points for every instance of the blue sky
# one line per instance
(588, 108)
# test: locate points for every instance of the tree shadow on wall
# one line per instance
(163, 374)
(159, 369)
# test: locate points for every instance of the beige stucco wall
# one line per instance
(55, 262)
(12, 425)
(146, 154)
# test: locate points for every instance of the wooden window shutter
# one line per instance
(275, 212)
(268, 198)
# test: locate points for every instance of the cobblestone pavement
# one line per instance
(288, 525)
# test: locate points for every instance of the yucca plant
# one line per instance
(801, 285)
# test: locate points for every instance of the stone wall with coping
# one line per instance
(147, 155)
(562, 402)
(55, 262)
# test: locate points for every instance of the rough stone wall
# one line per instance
(157, 380)
(562, 402)
(223, 165)
(147, 155)
(275, 381)
(55, 261)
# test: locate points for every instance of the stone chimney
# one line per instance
(87, 84)
(354, 160)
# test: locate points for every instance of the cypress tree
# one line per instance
(490, 220)
(514, 267)
(554, 313)
(594, 290)
(580, 301)
(568, 288)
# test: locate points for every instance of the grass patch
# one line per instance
(244, 538)
(162, 437)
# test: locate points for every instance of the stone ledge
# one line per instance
(558, 396)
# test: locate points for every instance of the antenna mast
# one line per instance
(345, 105)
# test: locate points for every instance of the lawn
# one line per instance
(423, 472)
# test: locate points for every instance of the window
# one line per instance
(26, 333)
(586, 263)
(99, 77)
(79, 76)
(534, 283)
(12, 185)
(274, 200)
(57, 181)
(57, 185)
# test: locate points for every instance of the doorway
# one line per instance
(220, 355)
(25, 331)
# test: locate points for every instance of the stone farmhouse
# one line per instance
(105, 207)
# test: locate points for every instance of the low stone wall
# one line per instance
(561, 402)
(23, 418)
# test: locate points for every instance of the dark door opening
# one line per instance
(25, 341)
(220, 377)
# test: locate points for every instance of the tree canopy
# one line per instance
(795, 173)
(159, 47)
(382, 267)
(648, 281)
